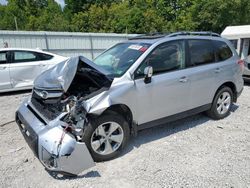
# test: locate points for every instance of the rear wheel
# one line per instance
(106, 136)
(222, 104)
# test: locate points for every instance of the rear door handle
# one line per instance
(3, 68)
(217, 70)
(183, 79)
(42, 65)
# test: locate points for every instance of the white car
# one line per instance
(19, 67)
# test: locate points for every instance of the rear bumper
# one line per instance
(246, 73)
(246, 78)
(67, 156)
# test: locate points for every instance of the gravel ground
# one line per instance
(192, 152)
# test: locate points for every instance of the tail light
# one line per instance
(242, 64)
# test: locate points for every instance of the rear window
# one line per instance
(222, 51)
(201, 52)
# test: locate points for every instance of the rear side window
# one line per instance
(3, 57)
(27, 56)
(200, 52)
(222, 51)
(24, 56)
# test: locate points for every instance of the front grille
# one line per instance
(49, 111)
(49, 108)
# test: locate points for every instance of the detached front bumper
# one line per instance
(45, 139)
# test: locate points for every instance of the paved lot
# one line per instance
(193, 152)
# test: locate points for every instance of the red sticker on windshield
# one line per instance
(143, 49)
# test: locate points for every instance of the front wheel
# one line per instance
(222, 104)
(106, 136)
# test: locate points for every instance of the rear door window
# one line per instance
(27, 56)
(200, 52)
(24, 56)
(222, 51)
(3, 57)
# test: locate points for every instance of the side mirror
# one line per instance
(148, 72)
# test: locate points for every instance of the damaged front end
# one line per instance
(53, 119)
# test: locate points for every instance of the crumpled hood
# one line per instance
(61, 75)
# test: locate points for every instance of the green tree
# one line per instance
(132, 16)
(9, 14)
(215, 15)
(50, 18)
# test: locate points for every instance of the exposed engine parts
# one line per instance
(76, 115)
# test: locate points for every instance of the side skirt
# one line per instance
(174, 117)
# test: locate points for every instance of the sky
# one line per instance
(3, 2)
(61, 2)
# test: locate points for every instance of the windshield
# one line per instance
(119, 58)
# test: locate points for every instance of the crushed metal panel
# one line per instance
(70, 156)
(79, 160)
(59, 76)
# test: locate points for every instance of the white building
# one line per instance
(240, 37)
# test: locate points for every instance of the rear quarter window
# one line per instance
(234, 43)
(44, 57)
(222, 51)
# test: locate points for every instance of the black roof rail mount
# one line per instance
(199, 33)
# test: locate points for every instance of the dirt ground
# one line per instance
(192, 152)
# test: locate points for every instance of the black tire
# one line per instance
(95, 123)
(213, 112)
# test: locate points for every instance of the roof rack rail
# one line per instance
(149, 36)
(201, 33)
(161, 35)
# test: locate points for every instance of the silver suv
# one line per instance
(82, 111)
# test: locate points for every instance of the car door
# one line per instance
(168, 92)
(203, 69)
(4, 71)
(25, 67)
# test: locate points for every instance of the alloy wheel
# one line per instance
(223, 103)
(107, 138)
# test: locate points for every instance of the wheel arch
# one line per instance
(232, 86)
(121, 109)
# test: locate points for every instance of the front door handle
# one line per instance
(183, 79)
(217, 70)
(42, 65)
